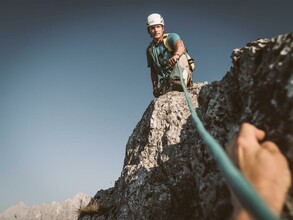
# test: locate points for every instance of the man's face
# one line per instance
(156, 31)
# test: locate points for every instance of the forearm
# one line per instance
(179, 48)
(154, 77)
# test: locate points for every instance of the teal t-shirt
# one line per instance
(161, 55)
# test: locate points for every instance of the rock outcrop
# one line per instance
(66, 210)
(168, 172)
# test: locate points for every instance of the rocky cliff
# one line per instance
(66, 210)
(168, 172)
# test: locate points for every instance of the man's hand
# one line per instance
(156, 92)
(173, 60)
(263, 165)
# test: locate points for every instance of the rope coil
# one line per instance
(243, 190)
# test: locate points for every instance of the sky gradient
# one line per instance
(74, 82)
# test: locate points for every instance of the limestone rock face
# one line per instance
(66, 210)
(168, 172)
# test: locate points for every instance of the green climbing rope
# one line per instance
(245, 193)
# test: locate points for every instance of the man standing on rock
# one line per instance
(163, 53)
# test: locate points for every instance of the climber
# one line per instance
(264, 166)
(162, 55)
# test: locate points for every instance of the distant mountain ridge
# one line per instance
(65, 210)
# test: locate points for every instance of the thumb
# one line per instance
(250, 134)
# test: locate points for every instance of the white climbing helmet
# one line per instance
(154, 19)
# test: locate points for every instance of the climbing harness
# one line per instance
(164, 85)
(243, 190)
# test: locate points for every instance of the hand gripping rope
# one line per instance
(245, 193)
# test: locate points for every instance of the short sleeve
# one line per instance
(172, 38)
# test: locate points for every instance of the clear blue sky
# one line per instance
(74, 82)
